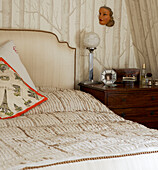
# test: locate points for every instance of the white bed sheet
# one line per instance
(74, 131)
(137, 162)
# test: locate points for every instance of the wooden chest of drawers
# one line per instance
(139, 104)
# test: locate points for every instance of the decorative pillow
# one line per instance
(9, 53)
(16, 96)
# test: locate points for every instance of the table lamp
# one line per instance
(91, 41)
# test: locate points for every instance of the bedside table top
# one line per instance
(119, 87)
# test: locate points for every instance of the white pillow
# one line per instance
(9, 54)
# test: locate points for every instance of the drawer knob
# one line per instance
(152, 98)
(123, 114)
(123, 99)
(152, 113)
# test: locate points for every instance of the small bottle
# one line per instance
(143, 75)
(156, 82)
(149, 80)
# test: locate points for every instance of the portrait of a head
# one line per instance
(106, 16)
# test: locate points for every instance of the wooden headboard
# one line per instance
(49, 62)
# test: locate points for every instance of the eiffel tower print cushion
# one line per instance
(9, 53)
(16, 96)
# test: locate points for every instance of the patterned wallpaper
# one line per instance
(70, 20)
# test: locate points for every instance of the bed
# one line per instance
(67, 129)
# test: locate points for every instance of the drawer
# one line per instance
(100, 95)
(137, 99)
(153, 125)
(146, 116)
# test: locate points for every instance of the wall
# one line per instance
(70, 20)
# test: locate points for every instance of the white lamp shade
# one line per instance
(91, 40)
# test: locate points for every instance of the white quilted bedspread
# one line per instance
(63, 133)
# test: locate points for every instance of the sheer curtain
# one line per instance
(143, 19)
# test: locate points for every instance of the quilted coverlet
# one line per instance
(70, 126)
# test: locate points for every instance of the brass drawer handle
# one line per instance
(123, 99)
(152, 113)
(152, 98)
(123, 114)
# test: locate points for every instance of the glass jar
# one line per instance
(149, 80)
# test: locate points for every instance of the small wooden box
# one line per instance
(127, 72)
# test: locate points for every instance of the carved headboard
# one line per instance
(49, 62)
